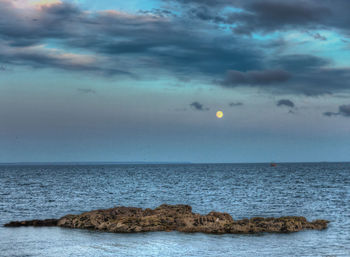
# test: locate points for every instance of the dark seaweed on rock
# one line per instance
(33, 223)
(174, 217)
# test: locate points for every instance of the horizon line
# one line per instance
(154, 162)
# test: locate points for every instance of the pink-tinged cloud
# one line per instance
(31, 4)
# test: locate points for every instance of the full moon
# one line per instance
(219, 114)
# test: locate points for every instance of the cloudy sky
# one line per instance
(142, 80)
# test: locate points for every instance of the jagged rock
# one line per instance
(174, 217)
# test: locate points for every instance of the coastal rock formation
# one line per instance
(174, 217)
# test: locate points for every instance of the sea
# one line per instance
(312, 190)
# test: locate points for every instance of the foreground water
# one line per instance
(320, 190)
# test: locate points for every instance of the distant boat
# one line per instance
(272, 164)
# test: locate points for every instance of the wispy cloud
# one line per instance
(233, 104)
(86, 91)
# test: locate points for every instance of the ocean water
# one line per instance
(313, 190)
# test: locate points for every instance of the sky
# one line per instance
(137, 80)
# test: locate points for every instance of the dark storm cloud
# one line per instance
(277, 15)
(299, 63)
(186, 44)
(206, 14)
(271, 15)
(295, 74)
(124, 42)
(311, 75)
(21, 28)
(198, 106)
(343, 110)
(23, 34)
(285, 102)
(323, 81)
(234, 104)
(265, 77)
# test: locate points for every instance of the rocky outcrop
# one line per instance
(174, 217)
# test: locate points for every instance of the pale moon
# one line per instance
(219, 114)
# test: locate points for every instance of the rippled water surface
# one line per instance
(320, 190)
